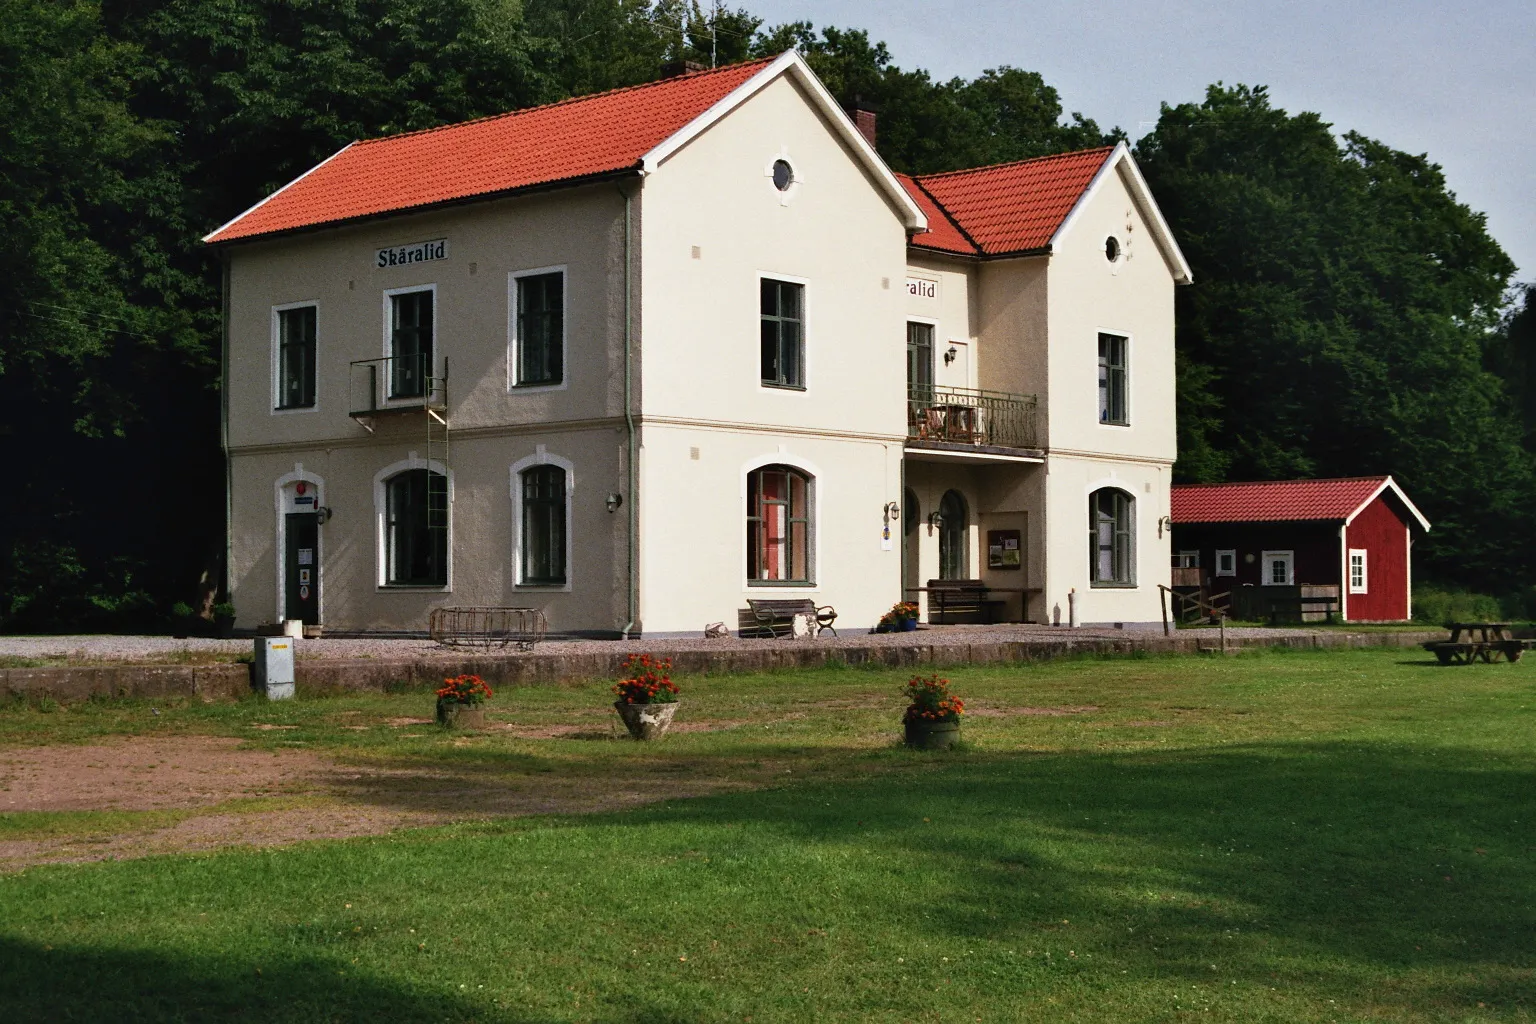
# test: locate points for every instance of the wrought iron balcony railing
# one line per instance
(970, 416)
(395, 384)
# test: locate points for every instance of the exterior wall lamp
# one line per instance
(323, 515)
(949, 356)
(614, 501)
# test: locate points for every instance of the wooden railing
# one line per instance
(971, 416)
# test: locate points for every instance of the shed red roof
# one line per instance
(1012, 207)
(1274, 501)
(572, 139)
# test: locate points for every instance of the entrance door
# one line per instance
(952, 537)
(301, 599)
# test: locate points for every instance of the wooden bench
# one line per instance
(1486, 642)
(1300, 605)
(961, 597)
(777, 615)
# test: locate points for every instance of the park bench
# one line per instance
(961, 597)
(1486, 641)
(777, 616)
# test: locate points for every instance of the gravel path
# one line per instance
(164, 649)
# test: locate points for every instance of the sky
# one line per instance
(1456, 81)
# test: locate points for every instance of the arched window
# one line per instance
(544, 526)
(779, 536)
(952, 524)
(1111, 538)
(416, 529)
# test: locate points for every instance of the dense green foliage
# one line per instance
(1345, 316)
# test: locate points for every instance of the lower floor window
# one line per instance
(416, 529)
(1111, 538)
(1226, 562)
(544, 526)
(1186, 560)
(1279, 569)
(1357, 571)
(779, 525)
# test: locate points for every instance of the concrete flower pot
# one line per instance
(926, 734)
(646, 721)
(453, 715)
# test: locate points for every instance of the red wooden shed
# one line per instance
(1351, 538)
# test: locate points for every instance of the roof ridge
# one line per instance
(689, 76)
(1378, 478)
(1013, 163)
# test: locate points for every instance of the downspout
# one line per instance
(631, 597)
(229, 472)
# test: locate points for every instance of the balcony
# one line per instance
(399, 384)
(966, 422)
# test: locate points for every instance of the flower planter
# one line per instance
(927, 734)
(646, 721)
(906, 626)
(453, 715)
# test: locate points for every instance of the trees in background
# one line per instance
(1345, 317)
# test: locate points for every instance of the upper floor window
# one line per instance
(410, 343)
(416, 529)
(539, 342)
(779, 536)
(783, 334)
(1113, 379)
(919, 357)
(544, 526)
(1111, 538)
(296, 357)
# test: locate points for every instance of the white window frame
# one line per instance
(1134, 555)
(1362, 554)
(540, 457)
(1289, 557)
(277, 358)
(381, 524)
(805, 333)
(388, 348)
(514, 342)
(1230, 553)
(1188, 559)
(1129, 341)
(817, 497)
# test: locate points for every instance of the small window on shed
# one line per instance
(1357, 580)
(1226, 562)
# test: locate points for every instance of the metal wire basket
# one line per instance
(488, 627)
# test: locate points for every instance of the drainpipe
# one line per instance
(229, 472)
(631, 597)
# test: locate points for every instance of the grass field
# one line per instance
(1319, 836)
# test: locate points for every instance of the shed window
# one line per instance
(540, 354)
(544, 526)
(779, 535)
(783, 334)
(296, 358)
(1279, 569)
(1357, 580)
(1186, 560)
(416, 529)
(1113, 379)
(1111, 538)
(1226, 562)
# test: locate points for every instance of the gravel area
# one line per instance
(171, 650)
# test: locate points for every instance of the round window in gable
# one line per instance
(1111, 248)
(783, 175)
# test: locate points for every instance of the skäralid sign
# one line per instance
(416, 252)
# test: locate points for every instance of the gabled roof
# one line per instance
(1028, 206)
(942, 231)
(625, 130)
(1336, 500)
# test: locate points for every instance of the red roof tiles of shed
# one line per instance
(1274, 501)
(572, 139)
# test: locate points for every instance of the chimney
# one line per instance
(864, 112)
(679, 68)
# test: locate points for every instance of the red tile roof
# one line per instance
(572, 139)
(1008, 208)
(942, 232)
(1274, 501)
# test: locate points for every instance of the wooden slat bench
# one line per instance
(1299, 606)
(1485, 641)
(961, 597)
(777, 615)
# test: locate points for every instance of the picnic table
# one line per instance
(1484, 640)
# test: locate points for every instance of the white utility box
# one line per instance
(274, 666)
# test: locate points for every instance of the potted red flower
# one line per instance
(459, 702)
(647, 696)
(933, 713)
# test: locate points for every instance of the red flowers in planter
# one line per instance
(649, 681)
(929, 699)
(464, 689)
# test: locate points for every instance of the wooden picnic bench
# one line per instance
(1485, 640)
(961, 597)
(777, 615)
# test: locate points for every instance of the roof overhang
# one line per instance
(1121, 162)
(792, 64)
(1391, 485)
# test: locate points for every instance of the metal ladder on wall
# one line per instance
(437, 451)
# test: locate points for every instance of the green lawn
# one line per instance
(1318, 836)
